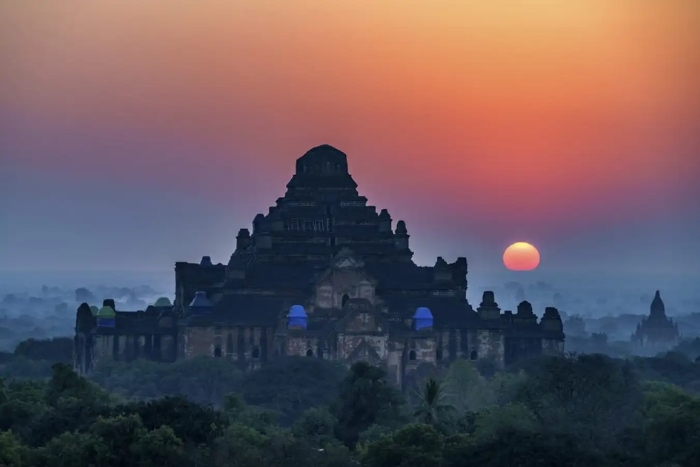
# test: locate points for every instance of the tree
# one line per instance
(489, 423)
(414, 445)
(316, 425)
(240, 446)
(372, 434)
(160, 448)
(190, 422)
(263, 420)
(673, 367)
(204, 380)
(233, 404)
(671, 431)
(57, 349)
(68, 450)
(433, 407)
(467, 390)
(67, 383)
(689, 347)
(67, 414)
(458, 450)
(10, 450)
(525, 449)
(293, 384)
(591, 396)
(22, 403)
(366, 398)
(118, 434)
(505, 386)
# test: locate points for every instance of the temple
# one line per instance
(657, 328)
(322, 275)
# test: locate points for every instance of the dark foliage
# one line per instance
(188, 420)
(525, 449)
(366, 398)
(55, 350)
(292, 385)
(579, 410)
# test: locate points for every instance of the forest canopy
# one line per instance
(573, 410)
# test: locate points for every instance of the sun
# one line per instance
(521, 256)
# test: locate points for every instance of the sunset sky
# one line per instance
(135, 133)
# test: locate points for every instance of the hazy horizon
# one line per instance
(580, 291)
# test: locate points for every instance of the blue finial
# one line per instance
(297, 317)
(422, 318)
(106, 317)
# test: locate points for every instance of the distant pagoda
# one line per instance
(657, 328)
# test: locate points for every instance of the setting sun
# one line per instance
(521, 256)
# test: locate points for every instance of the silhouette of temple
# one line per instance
(657, 328)
(321, 275)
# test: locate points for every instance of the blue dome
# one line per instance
(422, 318)
(297, 318)
(422, 313)
(297, 311)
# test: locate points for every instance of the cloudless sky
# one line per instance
(134, 134)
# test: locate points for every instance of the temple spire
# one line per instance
(322, 168)
(657, 308)
(657, 329)
(323, 160)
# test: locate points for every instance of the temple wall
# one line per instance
(395, 362)
(101, 348)
(302, 346)
(491, 345)
(424, 350)
(353, 283)
(551, 346)
(248, 345)
(419, 354)
(472, 344)
(445, 346)
(252, 346)
(347, 343)
(363, 322)
(202, 341)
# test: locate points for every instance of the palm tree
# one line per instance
(432, 407)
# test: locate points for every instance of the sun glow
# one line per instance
(521, 256)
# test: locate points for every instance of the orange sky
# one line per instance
(513, 111)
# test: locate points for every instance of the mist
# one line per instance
(42, 304)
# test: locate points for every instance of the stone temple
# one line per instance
(657, 328)
(321, 275)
